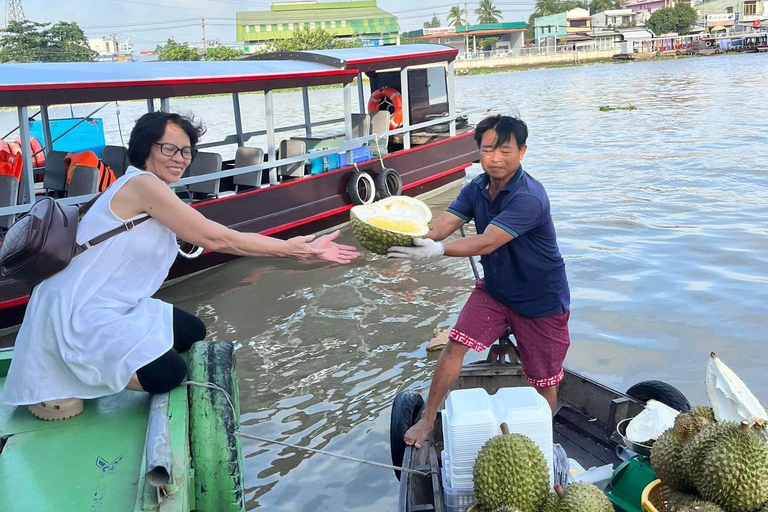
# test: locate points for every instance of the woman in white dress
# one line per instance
(94, 329)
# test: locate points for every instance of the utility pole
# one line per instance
(205, 41)
(13, 11)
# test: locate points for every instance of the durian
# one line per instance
(690, 423)
(583, 497)
(510, 470)
(666, 457)
(734, 470)
(700, 506)
(677, 500)
(730, 398)
(694, 451)
(551, 503)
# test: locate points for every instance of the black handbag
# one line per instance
(43, 241)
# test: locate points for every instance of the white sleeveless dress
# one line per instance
(89, 328)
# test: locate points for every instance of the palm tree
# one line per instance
(547, 7)
(487, 12)
(456, 16)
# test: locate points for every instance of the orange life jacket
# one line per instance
(89, 158)
(11, 162)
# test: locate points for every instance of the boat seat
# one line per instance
(9, 194)
(361, 125)
(115, 158)
(205, 163)
(289, 148)
(55, 173)
(245, 157)
(379, 125)
(85, 180)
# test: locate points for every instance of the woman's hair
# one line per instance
(150, 128)
(506, 127)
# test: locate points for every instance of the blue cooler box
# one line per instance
(334, 161)
(362, 154)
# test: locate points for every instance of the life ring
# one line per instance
(361, 188)
(213, 420)
(388, 183)
(37, 149)
(390, 97)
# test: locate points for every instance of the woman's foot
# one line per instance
(61, 409)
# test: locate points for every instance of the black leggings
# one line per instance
(169, 370)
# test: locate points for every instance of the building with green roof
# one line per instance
(357, 18)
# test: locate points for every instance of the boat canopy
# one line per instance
(83, 82)
(371, 58)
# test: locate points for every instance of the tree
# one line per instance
(596, 6)
(680, 19)
(487, 12)
(434, 23)
(29, 41)
(456, 16)
(308, 39)
(176, 51)
(223, 53)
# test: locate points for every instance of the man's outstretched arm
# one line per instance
(444, 226)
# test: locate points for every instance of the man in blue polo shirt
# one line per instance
(525, 289)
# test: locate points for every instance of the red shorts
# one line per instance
(543, 342)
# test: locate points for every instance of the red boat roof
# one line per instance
(371, 58)
(81, 82)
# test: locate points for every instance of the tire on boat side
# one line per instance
(405, 409)
(388, 183)
(361, 180)
(216, 453)
(661, 392)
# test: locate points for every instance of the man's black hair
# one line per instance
(150, 128)
(506, 127)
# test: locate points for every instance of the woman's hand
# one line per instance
(324, 248)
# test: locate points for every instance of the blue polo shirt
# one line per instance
(527, 273)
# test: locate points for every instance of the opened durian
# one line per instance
(730, 398)
(395, 220)
(510, 471)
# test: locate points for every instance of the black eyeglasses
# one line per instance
(171, 150)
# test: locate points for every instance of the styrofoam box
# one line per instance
(472, 417)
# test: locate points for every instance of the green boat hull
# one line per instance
(96, 461)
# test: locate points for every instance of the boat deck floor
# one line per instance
(583, 439)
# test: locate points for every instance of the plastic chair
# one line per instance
(85, 180)
(289, 148)
(114, 157)
(205, 163)
(9, 193)
(245, 157)
(55, 172)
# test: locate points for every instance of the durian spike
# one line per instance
(730, 398)
(504, 429)
(559, 490)
(744, 426)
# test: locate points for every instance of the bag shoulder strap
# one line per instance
(127, 226)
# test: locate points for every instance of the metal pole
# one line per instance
(150, 105)
(46, 128)
(165, 105)
(307, 116)
(157, 444)
(360, 92)
(271, 152)
(238, 119)
(27, 175)
(406, 107)
(451, 98)
(471, 259)
(348, 118)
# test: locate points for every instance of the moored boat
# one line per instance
(290, 187)
(588, 425)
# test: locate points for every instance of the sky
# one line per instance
(150, 22)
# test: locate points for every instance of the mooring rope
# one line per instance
(211, 385)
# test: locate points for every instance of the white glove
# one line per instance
(423, 248)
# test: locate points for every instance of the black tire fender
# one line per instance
(361, 189)
(405, 410)
(388, 183)
(661, 392)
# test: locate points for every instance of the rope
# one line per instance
(211, 385)
(119, 128)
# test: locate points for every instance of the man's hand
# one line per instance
(418, 433)
(423, 248)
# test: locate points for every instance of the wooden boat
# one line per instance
(585, 425)
(284, 200)
(172, 452)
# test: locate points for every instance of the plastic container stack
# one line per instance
(471, 417)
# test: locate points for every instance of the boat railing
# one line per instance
(346, 146)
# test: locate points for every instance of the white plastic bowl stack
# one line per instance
(471, 417)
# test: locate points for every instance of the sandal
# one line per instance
(57, 409)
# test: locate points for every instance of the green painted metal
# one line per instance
(92, 462)
(5, 360)
(216, 452)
